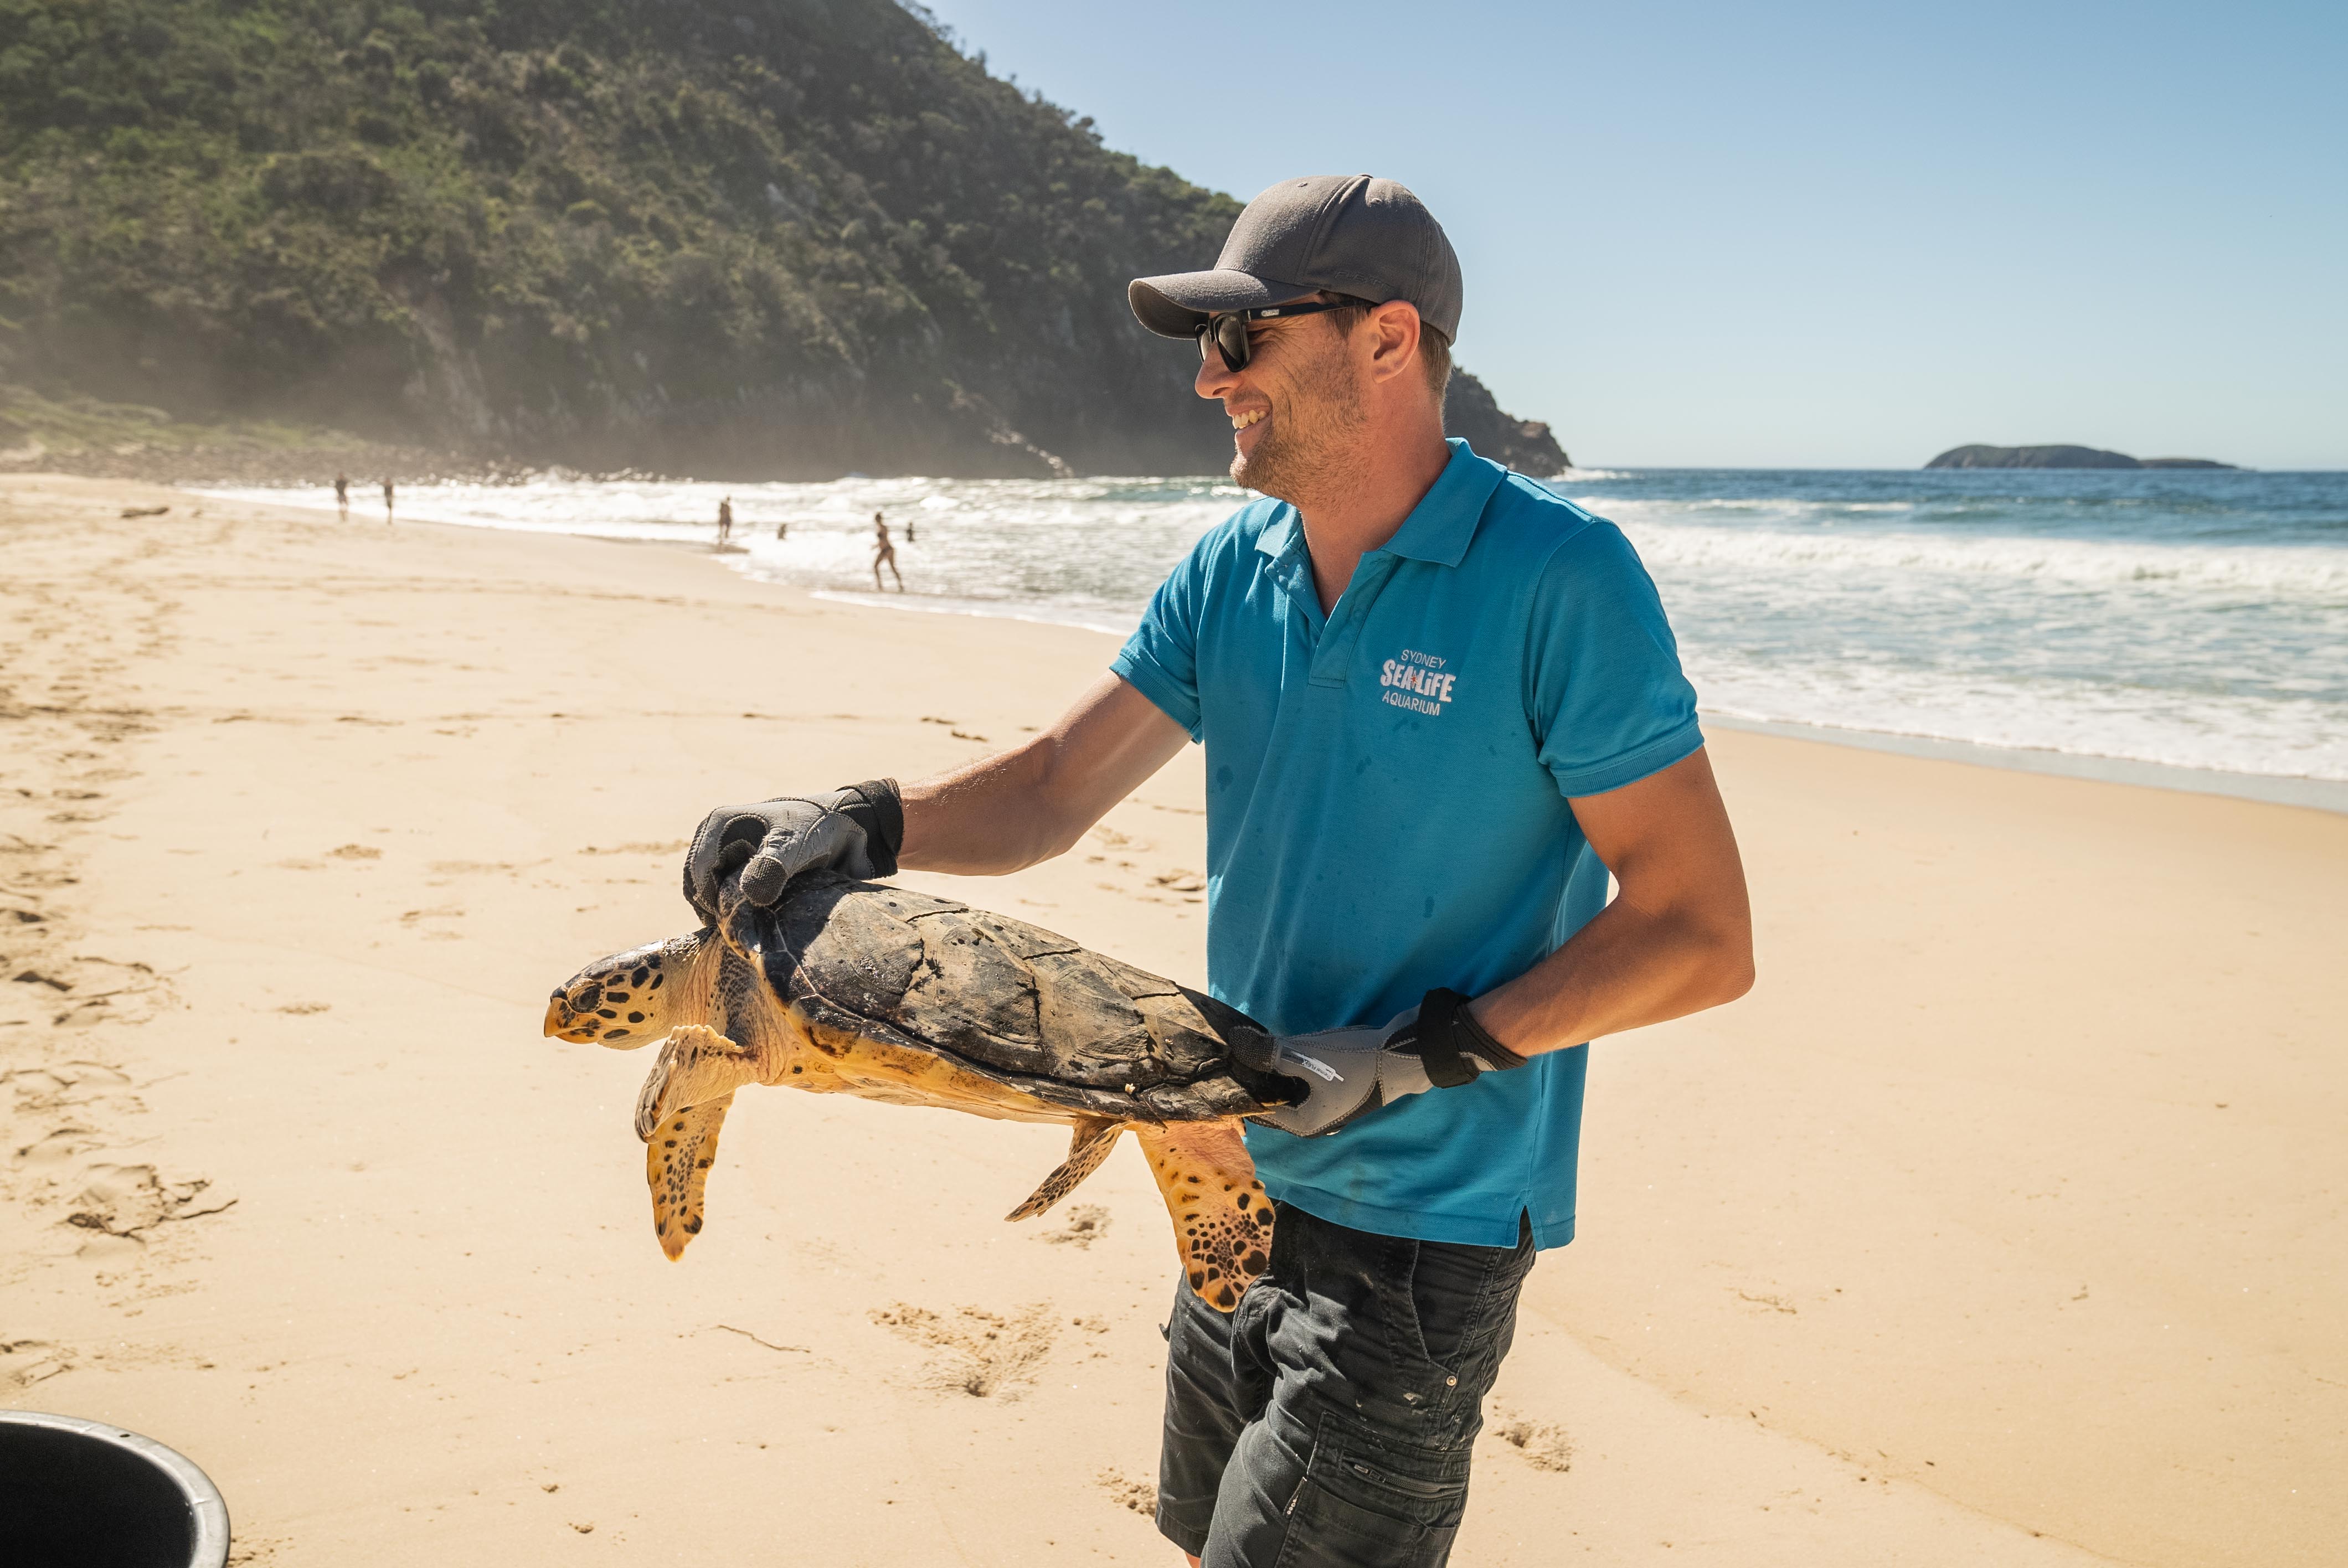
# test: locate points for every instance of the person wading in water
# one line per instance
(725, 519)
(386, 498)
(342, 497)
(1440, 703)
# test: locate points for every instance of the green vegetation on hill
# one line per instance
(779, 237)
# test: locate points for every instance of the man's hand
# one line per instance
(854, 831)
(1350, 1072)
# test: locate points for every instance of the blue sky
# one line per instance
(1805, 234)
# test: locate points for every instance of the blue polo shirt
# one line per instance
(1387, 809)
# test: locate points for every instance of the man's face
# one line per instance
(1295, 410)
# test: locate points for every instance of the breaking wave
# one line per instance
(2194, 619)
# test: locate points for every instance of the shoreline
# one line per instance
(2281, 789)
(2273, 789)
(1880, 1264)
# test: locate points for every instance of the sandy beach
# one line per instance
(2002, 1223)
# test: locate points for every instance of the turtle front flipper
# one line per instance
(1088, 1145)
(677, 1167)
(697, 1065)
(1222, 1220)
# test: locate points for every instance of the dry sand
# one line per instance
(2001, 1224)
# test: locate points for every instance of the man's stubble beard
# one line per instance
(1308, 451)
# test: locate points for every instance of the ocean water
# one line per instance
(2192, 620)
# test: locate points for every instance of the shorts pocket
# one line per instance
(1368, 1501)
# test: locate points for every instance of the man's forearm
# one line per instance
(988, 819)
(1035, 800)
(1677, 938)
(1628, 968)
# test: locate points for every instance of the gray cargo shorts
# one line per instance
(1327, 1423)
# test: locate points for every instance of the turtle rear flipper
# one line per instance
(1089, 1143)
(676, 1166)
(1222, 1220)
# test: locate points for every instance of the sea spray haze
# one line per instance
(2195, 620)
(772, 238)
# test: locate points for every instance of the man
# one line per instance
(342, 497)
(1439, 704)
(387, 499)
(725, 521)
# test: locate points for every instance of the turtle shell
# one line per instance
(1077, 1030)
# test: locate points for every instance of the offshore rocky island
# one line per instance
(2058, 457)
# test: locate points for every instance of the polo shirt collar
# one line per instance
(1438, 528)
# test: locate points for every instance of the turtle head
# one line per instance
(628, 999)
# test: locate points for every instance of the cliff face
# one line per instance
(1469, 410)
(783, 238)
(2058, 457)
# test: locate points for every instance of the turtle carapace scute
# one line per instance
(872, 989)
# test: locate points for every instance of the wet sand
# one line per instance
(2000, 1224)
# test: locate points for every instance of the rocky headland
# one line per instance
(779, 239)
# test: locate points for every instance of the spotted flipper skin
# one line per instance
(677, 1158)
(1222, 1220)
(697, 1065)
(904, 997)
(1088, 1145)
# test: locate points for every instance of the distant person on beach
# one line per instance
(725, 519)
(342, 496)
(782, 530)
(882, 550)
(1440, 704)
(909, 529)
(387, 497)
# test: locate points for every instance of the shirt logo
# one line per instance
(1417, 681)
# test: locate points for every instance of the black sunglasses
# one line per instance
(1228, 331)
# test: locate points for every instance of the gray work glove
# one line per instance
(854, 831)
(1350, 1072)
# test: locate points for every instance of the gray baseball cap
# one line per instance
(1348, 233)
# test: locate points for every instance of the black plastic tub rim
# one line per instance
(106, 1495)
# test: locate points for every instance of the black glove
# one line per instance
(854, 831)
(1350, 1072)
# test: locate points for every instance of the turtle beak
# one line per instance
(565, 1021)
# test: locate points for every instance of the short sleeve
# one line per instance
(1162, 658)
(1604, 692)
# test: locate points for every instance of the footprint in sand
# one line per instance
(121, 1204)
(1127, 1491)
(24, 1362)
(63, 1083)
(986, 1355)
(1083, 1224)
(58, 1147)
(417, 917)
(1541, 1444)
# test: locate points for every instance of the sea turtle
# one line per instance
(868, 989)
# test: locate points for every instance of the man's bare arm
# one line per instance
(1035, 800)
(1676, 939)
